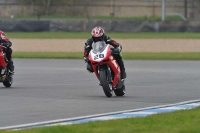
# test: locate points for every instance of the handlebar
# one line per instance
(2, 46)
(113, 51)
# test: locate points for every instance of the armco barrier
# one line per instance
(24, 25)
(85, 25)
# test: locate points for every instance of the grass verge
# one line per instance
(126, 55)
(183, 121)
(86, 35)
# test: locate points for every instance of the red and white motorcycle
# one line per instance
(106, 69)
(5, 75)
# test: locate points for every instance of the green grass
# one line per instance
(162, 56)
(126, 55)
(183, 121)
(56, 55)
(85, 35)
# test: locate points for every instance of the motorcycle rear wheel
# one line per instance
(120, 92)
(107, 88)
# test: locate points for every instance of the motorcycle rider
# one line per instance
(98, 34)
(4, 41)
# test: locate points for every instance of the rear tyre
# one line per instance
(107, 88)
(8, 81)
(121, 91)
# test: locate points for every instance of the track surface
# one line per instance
(49, 89)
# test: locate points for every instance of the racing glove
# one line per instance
(4, 45)
(86, 59)
(117, 50)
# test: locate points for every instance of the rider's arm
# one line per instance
(6, 44)
(88, 46)
(115, 44)
(4, 40)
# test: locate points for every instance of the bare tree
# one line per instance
(195, 9)
(74, 7)
(46, 4)
(78, 7)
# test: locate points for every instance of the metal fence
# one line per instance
(186, 9)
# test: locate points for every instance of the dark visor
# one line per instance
(96, 39)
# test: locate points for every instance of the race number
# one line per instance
(98, 56)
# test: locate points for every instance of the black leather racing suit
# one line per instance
(108, 40)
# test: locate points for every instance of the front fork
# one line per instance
(105, 67)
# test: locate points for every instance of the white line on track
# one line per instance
(107, 116)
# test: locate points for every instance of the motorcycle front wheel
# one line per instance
(8, 81)
(107, 87)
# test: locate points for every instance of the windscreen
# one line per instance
(98, 47)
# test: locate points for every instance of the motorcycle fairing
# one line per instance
(103, 58)
(2, 60)
(116, 69)
(99, 56)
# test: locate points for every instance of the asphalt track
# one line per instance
(49, 89)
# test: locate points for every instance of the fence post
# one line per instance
(163, 10)
(185, 9)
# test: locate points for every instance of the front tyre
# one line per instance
(104, 80)
(8, 81)
(121, 91)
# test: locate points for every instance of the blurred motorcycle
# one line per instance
(5, 76)
(106, 69)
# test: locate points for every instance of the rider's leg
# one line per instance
(10, 65)
(121, 64)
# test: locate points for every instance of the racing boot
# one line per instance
(123, 73)
(10, 67)
(121, 64)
